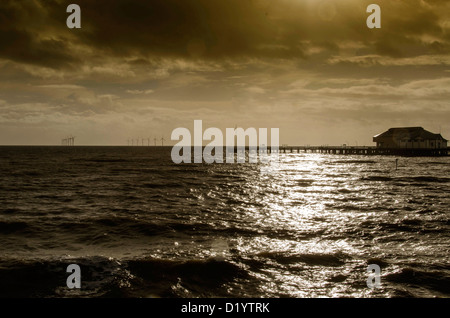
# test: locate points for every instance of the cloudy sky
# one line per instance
(141, 68)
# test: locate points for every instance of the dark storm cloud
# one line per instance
(201, 28)
(411, 28)
(22, 46)
(34, 31)
(24, 36)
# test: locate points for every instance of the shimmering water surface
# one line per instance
(142, 226)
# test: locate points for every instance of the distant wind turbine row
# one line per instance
(69, 141)
(143, 141)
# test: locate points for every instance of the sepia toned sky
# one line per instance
(141, 68)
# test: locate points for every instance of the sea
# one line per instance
(138, 225)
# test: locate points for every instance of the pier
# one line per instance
(339, 150)
(363, 150)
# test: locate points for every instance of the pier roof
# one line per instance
(409, 133)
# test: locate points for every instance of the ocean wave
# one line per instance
(409, 180)
(304, 182)
(433, 280)
(101, 276)
(107, 277)
(354, 161)
(161, 185)
(13, 227)
(376, 178)
(208, 271)
(332, 260)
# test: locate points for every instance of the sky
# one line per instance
(141, 68)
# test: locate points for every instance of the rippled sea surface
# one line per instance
(141, 226)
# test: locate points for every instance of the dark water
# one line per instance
(141, 226)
